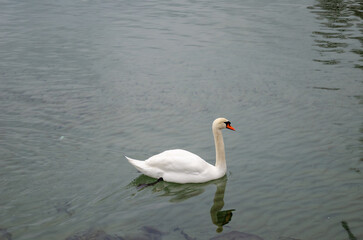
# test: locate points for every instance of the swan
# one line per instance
(181, 166)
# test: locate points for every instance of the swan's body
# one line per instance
(181, 166)
(178, 166)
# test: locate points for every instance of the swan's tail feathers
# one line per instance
(139, 165)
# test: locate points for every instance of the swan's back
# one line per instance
(177, 160)
(175, 165)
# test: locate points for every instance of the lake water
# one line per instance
(84, 83)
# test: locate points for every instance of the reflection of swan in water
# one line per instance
(220, 218)
(176, 192)
(182, 192)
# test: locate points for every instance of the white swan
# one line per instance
(181, 166)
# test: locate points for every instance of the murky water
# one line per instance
(85, 82)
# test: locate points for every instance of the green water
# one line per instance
(84, 83)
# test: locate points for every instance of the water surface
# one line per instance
(85, 82)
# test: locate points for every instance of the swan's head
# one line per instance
(221, 123)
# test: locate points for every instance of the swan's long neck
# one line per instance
(220, 154)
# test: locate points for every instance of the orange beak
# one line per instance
(230, 127)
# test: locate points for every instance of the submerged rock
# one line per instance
(152, 233)
(64, 207)
(184, 234)
(4, 234)
(235, 235)
(287, 238)
(147, 233)
(94, 235)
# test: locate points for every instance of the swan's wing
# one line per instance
(179, 161)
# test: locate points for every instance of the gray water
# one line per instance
(84, 83)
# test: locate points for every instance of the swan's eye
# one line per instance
(228, 123)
